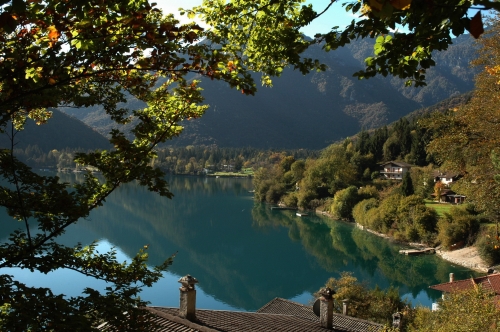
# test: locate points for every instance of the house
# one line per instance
(395, 170)
(277, 315)
(446, 178)
(490, 282)
(449, 196)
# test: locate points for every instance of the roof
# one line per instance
(445, 174)
(445, 192)
(238, 321)
(279, 315)
(340, 322)
(489, 283)
(397, 163)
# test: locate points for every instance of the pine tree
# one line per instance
(407, 186)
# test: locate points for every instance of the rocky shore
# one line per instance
(467, 257)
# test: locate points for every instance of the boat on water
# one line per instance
(301, 214)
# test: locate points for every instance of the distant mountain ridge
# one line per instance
(60, 132)
(315, 110)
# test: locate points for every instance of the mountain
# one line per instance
(443, 105)
(60, 132)
(315, 110)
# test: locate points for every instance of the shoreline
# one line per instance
(467, 257)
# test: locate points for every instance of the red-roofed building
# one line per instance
(489, 283)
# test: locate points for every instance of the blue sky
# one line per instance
(336, 15)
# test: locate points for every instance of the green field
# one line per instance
(440, 208)
(243, 172)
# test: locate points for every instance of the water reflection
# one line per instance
(338, 246)
(243, 253)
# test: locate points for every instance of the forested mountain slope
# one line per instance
(61, 132)
(315, 110)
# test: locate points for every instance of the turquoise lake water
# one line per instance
(243, 253)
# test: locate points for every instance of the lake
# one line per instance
(243, 253)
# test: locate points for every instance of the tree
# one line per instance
(344, 202)
(464, 137)
(79, 54)
(470, 310)
(407, 185)
(438, 190)
(270, 29)
(364, 303)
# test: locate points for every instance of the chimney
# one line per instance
(397, 320)
(326, 307)
(345, 306)
(187, 306)
(452, 277)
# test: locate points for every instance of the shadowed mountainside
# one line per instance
(60, 132)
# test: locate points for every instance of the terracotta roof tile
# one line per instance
(489, 283)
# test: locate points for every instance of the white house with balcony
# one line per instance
(446, 178)
(395, 170)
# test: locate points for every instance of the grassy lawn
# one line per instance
(243, 172)
(440, 208)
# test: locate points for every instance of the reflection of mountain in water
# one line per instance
(243, 253)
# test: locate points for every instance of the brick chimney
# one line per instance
(187, 306)
(452, 277)
(326, 307)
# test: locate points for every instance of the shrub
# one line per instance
(387, 212)
(344, 202)
(315, 203)
(360, 211)
(367, 192)
(291, 200)
(470, 310)
(488, 246)
(456, 226)
(275, 192)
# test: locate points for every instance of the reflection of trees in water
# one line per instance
(336, 245)
(215, 240)
(264, 218)
(238, 256)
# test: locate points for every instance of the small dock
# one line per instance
(282, 208)
(301, 214)
(413, 252)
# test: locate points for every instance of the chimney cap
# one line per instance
(188, 281)
(327, 292)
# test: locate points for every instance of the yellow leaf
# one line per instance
(53, 35)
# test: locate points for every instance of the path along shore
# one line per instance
(467, 257)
